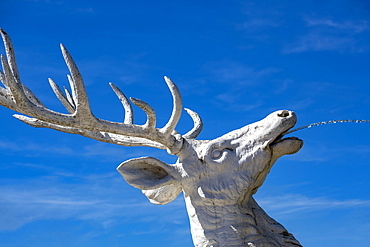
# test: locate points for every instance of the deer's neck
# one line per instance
(244, 224)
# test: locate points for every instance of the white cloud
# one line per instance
(295, 203)
(235, 73)
(321, 42)
(329, 35)
(237, 80)
(46, 1)
(103, 199)
(351, 26)
(261, 15)
(96, 149)
(258, 23)
(232, 103)
(87, 10)
(33, 146)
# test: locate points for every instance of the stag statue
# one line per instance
(218, 177)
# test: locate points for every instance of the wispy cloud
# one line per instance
(320, 42)
(295, 203)
(107, 153)
(329, 35)
(260, 15)
(87, 10)
(33, 146)
(319, 151)
(258, 23)
(43, 199)
(238, 79)
(236, 73)
(46, 1)
(350, 26)
(231, 100)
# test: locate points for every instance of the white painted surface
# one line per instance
(218, 177)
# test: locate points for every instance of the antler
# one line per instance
(80, 119)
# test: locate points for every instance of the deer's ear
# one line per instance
(164, 194)
(153, 177)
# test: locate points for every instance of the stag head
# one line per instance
(225, 169)
(218, 177)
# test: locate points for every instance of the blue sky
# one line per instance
(234, 63)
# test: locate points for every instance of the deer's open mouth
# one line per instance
(287, 145)
(281, 138)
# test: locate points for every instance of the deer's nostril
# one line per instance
(283, 113)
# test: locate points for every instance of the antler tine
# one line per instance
(31, 96)
(61, 97)
(3, 80)
(177, 108)
(129, 116)
(9, 51)
(2, 77)
(198, 125)
(73, 90)
(150, 113)
(13, 86)
(69, 98)
(78, 89)
(5, 96)
(21, 90)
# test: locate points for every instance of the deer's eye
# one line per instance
(220, 154)
(216, 154)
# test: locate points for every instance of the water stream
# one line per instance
(327, 122)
